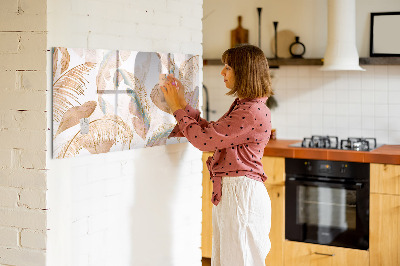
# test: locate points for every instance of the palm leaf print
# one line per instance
(105, 80)
(167, 63)
(192, 97)
(106, 73)
(160, 136)
(55, 61)
(103, 134)
(68, 88)
(157, 97)
(187, 73)
(64, 60)
(139, 104)
(73, 115)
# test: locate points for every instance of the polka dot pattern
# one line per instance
(238, 139)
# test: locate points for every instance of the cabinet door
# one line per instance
(305, 254)
(274, 168)
(277, 233)
(385, 178)
(206, 232)
(384, 236)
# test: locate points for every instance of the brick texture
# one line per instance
(23, 60)
(105, 196)
(33, 239)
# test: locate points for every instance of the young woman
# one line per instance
(242, 208)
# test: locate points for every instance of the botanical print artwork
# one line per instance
(107, 100)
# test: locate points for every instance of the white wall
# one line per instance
(138, 207)
(311, 102)
(23, 132)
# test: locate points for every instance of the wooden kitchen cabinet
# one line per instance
(305, 254)
(384, 236)
(274, 168)
(385, 178)
(206, 225)
(277, 233)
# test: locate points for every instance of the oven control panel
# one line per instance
(338, 169)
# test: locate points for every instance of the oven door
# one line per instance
(327, 213)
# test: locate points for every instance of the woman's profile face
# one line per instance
(229, 76)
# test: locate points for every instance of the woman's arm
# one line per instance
(180, 98)
(235, 129)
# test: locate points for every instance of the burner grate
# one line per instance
(327, 142)
(332, 142)
(358, 144)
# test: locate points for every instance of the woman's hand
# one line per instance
(181, 89)
(173, 95)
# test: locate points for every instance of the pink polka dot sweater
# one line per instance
(238, 139)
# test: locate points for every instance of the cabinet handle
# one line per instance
(325, 254)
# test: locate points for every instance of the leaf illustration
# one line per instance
(160, 136)
(103, 147)
(192, 97)
(124, 54)
(90, 55)
(103, 134)
(139, 104)
(157, 97)
(105, 106)
(187, 75)
(68, 88)
(64, 59)
(107, 70)
(188, 71)
(105, 80)
(167, 63)
(55, 60)
(73, 115)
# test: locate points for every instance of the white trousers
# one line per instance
(241, 223)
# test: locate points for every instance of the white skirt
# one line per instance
(241, 223)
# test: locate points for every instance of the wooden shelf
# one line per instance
(380, 61)
(295, 62)
(273, 63)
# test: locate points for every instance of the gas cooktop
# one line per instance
(332, 142)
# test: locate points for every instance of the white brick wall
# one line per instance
(138, 207)
(23, 132)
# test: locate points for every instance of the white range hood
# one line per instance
(341, 51)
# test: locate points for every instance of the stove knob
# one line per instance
(343, 168)
(308, 166)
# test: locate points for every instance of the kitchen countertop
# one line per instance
(389, 154)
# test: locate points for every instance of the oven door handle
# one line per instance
(324, 254)
(357, 185)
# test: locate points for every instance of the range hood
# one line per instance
(341, 51)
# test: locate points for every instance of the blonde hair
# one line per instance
(250, 66)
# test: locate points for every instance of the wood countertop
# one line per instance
(389, 154)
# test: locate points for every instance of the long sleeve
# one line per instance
(193, 113)
(229, 131)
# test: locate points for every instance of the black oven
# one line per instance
(327, 202)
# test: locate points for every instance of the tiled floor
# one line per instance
(206, 261)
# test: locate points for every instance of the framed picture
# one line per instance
(385, 37)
